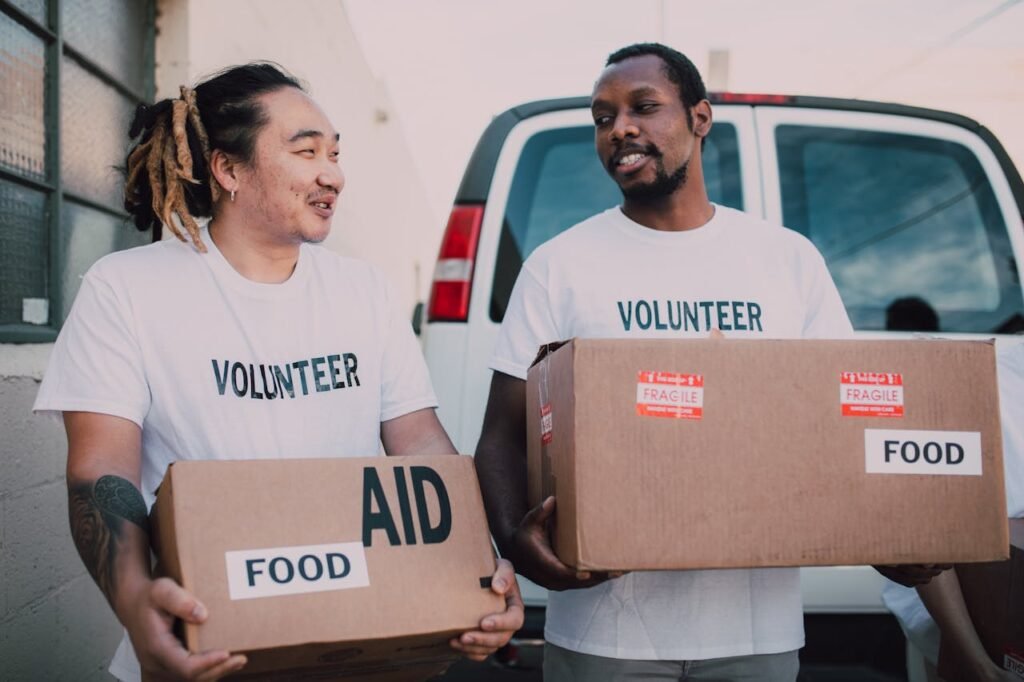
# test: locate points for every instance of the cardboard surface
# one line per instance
(994, 595)
(353, 568)
(744, 453)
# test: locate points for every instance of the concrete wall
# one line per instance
(54, 623)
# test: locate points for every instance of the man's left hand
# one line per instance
(912, 575)
(496, 629)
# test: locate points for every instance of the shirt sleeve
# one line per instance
(96, 364)
(826, 316)
(405, 381)
(529, 323)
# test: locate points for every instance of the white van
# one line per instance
(904, 203)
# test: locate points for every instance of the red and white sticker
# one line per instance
(667, 394)
(1014, 662)
(545, 424)
(871, 394)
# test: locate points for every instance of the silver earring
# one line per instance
(232, 196)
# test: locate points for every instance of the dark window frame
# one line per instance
(55, 50)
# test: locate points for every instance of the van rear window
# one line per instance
(909, 226)
(559, 182)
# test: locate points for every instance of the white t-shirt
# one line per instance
(609, 277)
(904, 602)
(214, 366)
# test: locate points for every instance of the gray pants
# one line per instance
(562, 665)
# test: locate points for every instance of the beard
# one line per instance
(662, 186)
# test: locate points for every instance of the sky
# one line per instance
(449, 66)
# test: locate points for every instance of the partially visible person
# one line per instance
(241, 339)
(936, 611)
(911, 314)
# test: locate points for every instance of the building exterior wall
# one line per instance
(54, 622)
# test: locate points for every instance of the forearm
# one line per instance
(432, 443)
(502, 478)
(501, 459)
(109, 526)
(416, 433)
(945, 602)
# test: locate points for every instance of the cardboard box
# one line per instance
(994, 595)
(355, 569)
(744, 453)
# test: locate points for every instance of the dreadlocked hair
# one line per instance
(167, 171)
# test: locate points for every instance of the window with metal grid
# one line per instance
(71, 74)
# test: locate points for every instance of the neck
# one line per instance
(254, 257)
(667, 216)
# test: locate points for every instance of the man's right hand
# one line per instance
(535, 559)
(107, 515)
(150, 620)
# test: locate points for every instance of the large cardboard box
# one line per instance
(741, 453)
(994, 595)
(347, 569)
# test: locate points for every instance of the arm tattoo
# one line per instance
(97, 513)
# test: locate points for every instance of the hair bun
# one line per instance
(146, 116)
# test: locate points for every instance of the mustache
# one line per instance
(648, 149)
(321, 194)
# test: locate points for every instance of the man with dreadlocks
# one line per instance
(238, 339)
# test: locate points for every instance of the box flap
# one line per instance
(547, 349)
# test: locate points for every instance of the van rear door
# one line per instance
(901, 208)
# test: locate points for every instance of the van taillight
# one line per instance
(453, 275)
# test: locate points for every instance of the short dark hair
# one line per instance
(678, 69)
(167, 168)
(911, 314)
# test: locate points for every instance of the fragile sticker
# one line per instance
(667, 394)
(871, 394)
(545, 424)
(943, 453)
(277, 571)
(1014, 662)
(546, 433)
